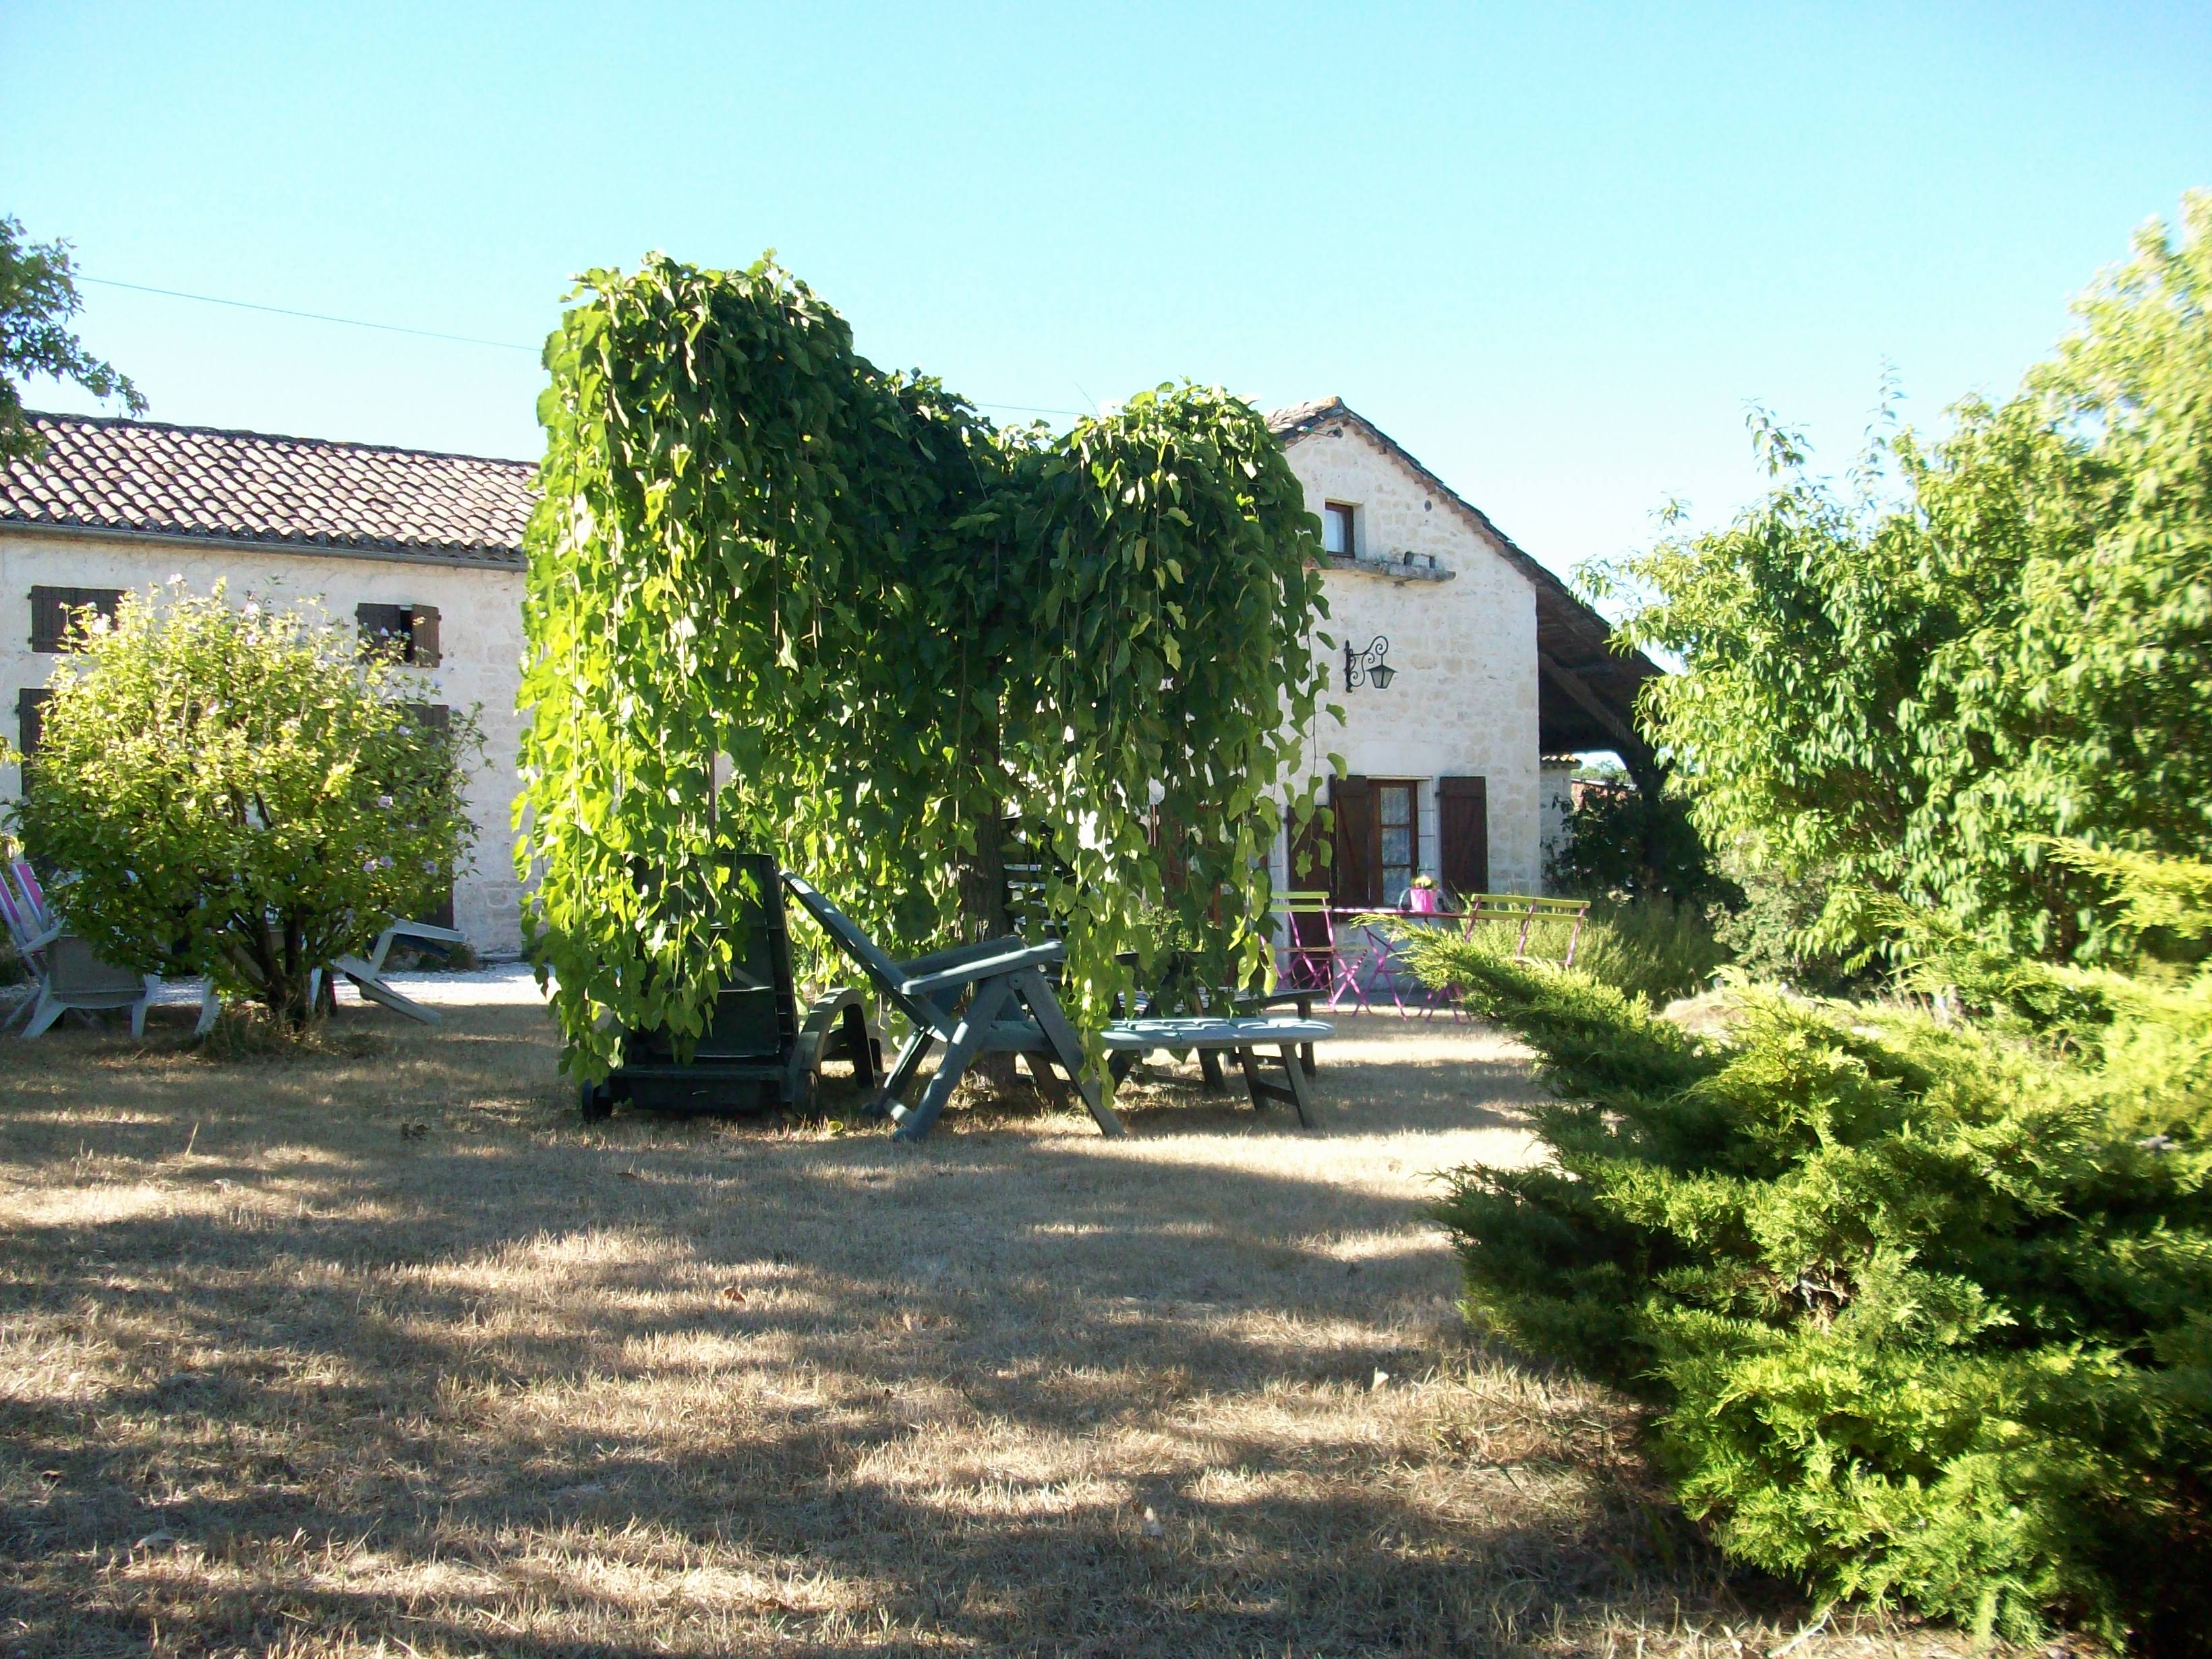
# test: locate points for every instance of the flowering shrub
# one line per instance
(237, 792)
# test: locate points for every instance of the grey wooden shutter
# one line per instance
(1463, 835)
(422, 630)
(1358, 878)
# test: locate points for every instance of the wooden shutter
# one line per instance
(1311, 857)
(422, 632)
(1463, 835)
(385, 630)
(30, 718)
(437, 717)
(54, 609)
(1358, 877)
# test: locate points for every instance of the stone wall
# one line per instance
(480, 643)
(1463, 701)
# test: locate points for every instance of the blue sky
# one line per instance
(1555, 249)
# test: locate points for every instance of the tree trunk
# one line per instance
(984, 915)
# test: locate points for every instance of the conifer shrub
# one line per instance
(1926, 1309)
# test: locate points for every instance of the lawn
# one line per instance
(377, 1349)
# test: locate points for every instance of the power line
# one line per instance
(424, 333)
(311, 316)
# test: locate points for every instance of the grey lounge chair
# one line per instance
(76, 978)
(367, 976)
(999, 978)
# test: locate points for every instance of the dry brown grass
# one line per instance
(382, 1352)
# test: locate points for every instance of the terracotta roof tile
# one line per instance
(151, 478)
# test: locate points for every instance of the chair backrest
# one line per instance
(1307, 923)
(12, 917)
(846, 934)
(37, 917)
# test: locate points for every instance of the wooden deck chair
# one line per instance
(999, 978)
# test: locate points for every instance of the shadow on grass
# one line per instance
(397, 1350)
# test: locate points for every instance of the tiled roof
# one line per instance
(305, 494)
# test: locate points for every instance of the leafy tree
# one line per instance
(1622, 843)
(1924, 1307)
(1909, 694)
(237, 792)
(38, 298)
(780, 598)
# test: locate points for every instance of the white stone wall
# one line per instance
(1557, 794)
(480, 644)
(1464, 699)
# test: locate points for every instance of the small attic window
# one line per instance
(1336, 530)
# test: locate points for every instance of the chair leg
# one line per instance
(43, 1015)
(210, 1006)
(1048, 1080)
(1066, 1046)
(138, 1008)
(1301, 1096)
(966, 1043)
(916, 1048)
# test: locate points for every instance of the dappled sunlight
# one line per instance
(389, 1344)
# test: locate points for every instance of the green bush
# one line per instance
(237, 792)
(1926, 1309)
(1655, 948)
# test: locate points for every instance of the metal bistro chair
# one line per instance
(1311, 959)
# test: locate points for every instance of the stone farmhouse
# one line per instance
(1459, 661)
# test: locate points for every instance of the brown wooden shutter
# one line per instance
(54, 609)
(433, 717)
(1463, 835)
(384, 630)
(437, 717)
(422, 628)
(30, 719)
(1359, 871)
(1310, 856)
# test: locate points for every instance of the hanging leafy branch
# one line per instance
(778, 599)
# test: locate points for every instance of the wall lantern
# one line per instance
(1372, 663)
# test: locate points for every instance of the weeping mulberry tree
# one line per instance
(780, 600)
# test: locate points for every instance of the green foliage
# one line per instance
(1655, 948)
(1774, 932)
(234, 792)
(1623, 844)
(38, 298)
(1927, 1309)
(900, 628)
(2022, 647)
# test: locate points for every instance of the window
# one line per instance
(55, 612)
(1377, 842)
(1336, 530)
(406, 633)
(1398, 822)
